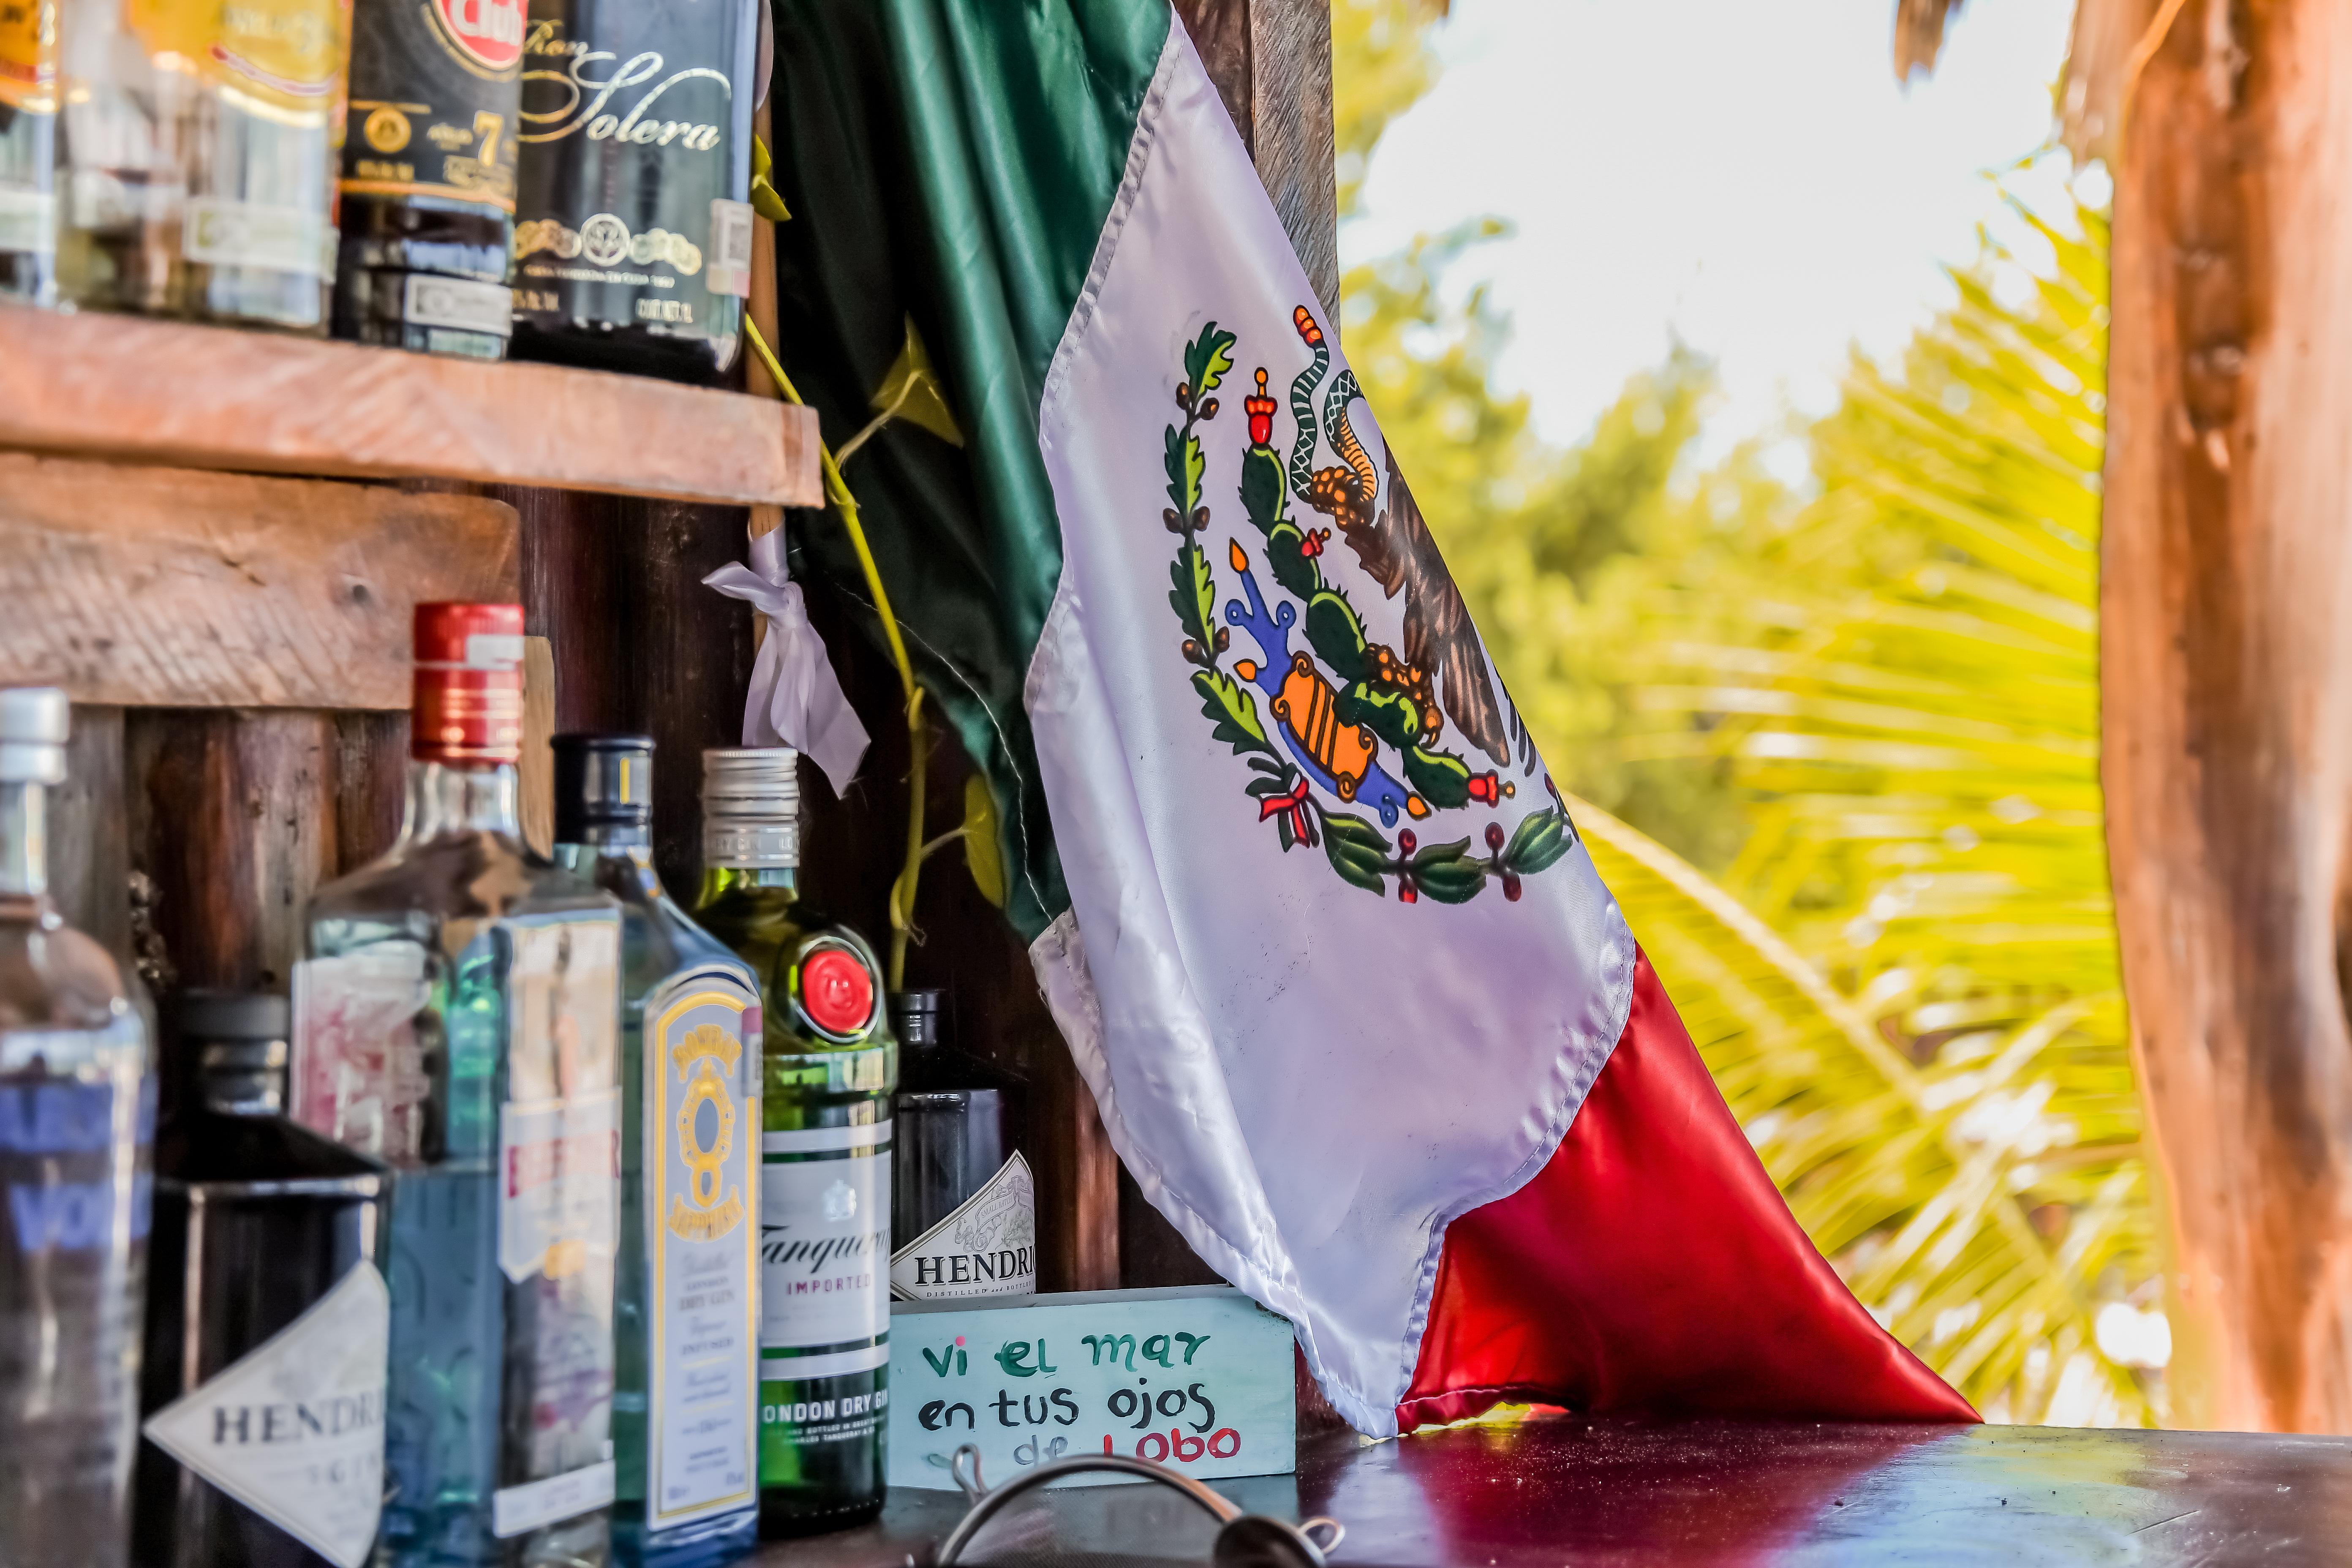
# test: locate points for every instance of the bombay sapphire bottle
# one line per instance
(76, 1109)
(263, 1385)
(685, 1405)
(457, 1015)
(825, 1201)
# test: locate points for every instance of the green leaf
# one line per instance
(1194, 598)
(1206, 360)
(983, 855)
(911, 390)
(1449, 872)
(1234, 707)
(1356, 850)
(1185, 464)
(1541, 838)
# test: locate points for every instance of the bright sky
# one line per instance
(1746, 173)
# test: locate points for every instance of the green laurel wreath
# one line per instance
(1449, 873)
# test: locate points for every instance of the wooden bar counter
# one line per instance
(1568, 1491)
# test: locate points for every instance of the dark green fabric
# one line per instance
(952, 161)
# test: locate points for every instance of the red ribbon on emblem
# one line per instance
(1295, 803)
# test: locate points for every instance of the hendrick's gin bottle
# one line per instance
(428, 186)
(963, 1210)
(633, 240)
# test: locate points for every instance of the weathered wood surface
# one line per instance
(1709, 1495)
(232, 816)
(89, 853)
(2226, 670)
(206, 397)
(165, 587)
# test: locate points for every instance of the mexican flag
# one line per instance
(1312, 914)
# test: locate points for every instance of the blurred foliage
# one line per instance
(1840, 747)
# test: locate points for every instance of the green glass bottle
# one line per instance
(830, 1067)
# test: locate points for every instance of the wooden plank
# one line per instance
(1290, 133)
(206, 397)
(161, 587)
(89, 854)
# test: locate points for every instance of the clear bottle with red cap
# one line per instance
(829, 1068)
(456, 1014)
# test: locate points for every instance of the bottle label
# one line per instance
(515, 1511)
(29, 220)
(642, 145)
(987, 1246)
(286, 53)
(294, 1428)
(359, 1071)
(432, 113)
(825, 1240)
(219, 233)
(702, 1225)
(428, 301)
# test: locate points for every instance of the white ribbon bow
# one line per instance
(795, 699)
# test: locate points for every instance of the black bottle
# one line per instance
(963, 1201)
(261, 1396)
(632, 235)
(429, 186)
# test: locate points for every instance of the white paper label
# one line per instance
(220, 233)
(515, 1509)
(359, 1073)
(825, 1237)
(28, 220)
(730, 267)
(559, 1184)
(294, 1428)
(702, 1223)
(988, 1247)
(458, 302)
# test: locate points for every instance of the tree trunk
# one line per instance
(2227, 667)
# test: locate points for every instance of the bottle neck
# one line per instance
(23, 840)
(720, 880)
(445, 797)
(603, 845)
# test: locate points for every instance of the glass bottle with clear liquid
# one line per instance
(686, 1404)
(77, 1117)
(457, 1016)
(829, 1068)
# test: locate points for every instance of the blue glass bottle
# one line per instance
(684, 1404)
(457, 1015)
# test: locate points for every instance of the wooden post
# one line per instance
(2226, 654)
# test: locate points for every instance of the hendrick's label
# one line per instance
(432, 93)
(633, 238)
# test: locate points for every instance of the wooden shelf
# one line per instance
(210, 397)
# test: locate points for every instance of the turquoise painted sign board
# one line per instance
(1194, 1377)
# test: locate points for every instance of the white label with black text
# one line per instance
(987, 1246)
(824, 1236)
(728, 270)
(458, 302)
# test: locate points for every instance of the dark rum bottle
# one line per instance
(686, 1416)
(632, 239)
(263, 1385)
(963, 1207)
(825, 1203)
(429, 186)
(458, 1014)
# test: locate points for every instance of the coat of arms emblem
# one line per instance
(1357, 725)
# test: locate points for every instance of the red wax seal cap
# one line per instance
(836, 991)
(469, 690)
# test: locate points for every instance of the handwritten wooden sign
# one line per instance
(1195, 1377)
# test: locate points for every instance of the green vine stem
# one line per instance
(902, 892)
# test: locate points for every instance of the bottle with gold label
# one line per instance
(28, 132)
(632, 233)
(428, 187)
(198, 157)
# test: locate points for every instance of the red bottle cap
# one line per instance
(836, 991)
(467, 709)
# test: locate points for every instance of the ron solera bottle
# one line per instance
(429, 186)
(963, 1206)
(457, 1015)
(633, 239)
(263, 1386)
(76, 1114)
(828, 1066)
(686, 1416)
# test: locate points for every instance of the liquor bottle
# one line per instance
(963, 1206)
(429, 186)
(263, 1383)
(198, 157)
(633, 239)
(28, 134)
(824, 1196)
(77, 1113)
(457, 1014)
(686, 1416)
